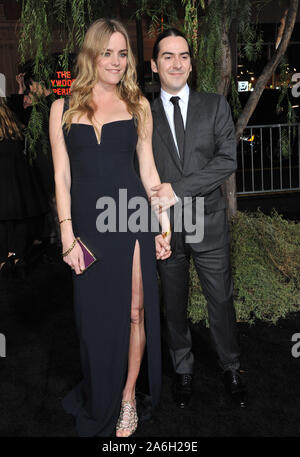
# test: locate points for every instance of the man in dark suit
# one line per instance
(195, 151)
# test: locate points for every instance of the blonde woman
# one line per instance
(94, 135)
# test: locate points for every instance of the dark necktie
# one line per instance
(178, 124)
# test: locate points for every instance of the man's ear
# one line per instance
(153, 66)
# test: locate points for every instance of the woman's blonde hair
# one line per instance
(95, 42)
(9, 128)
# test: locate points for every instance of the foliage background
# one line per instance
(208, 24)
(265, 250)
(266, 269)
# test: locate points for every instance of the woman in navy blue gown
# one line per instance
(94, 135)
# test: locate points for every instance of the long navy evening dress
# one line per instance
(102, 294)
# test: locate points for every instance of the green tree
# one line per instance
(212, 28)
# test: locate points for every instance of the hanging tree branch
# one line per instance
(281, 29)
(269, 69)
(225, 60)
(208, 33)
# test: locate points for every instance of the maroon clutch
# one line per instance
(88, 256)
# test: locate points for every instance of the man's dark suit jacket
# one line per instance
(209, 159)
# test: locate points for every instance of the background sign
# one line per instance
(61, 85)
(243, 86)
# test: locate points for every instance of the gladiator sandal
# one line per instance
(128, 418)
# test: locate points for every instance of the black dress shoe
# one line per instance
(236, 387)
(182, 389)
(143, 406)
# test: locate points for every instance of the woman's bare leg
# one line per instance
(137, 332)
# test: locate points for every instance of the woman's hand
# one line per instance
(75, 257)
(162, 247)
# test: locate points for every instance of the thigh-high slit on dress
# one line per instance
(102, 294)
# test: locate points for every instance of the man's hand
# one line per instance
(164, 196)
(162, 246)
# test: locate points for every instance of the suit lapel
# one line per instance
(192, 124)
(163, 128)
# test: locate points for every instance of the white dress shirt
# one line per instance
(169, 107)
(169, 110)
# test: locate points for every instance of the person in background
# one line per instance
(29, 94)
(21, 205)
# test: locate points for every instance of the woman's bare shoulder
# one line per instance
(57, 106)
(144, 101)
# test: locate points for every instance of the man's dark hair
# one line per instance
(166, 33)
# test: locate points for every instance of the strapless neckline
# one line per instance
(106, 123)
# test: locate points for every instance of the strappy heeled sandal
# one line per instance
(128, 419)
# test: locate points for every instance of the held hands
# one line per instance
(162, 246)
(75, 257)
(161, 200)
(76, 261)
(163, 197)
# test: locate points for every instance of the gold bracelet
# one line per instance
(68, 219)
(70, 249)
(165, 234)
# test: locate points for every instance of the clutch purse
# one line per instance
(88, 256)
